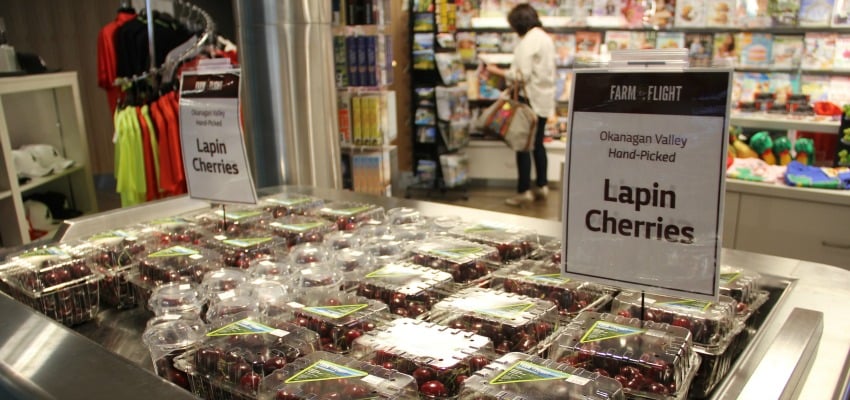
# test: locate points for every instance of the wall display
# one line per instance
(644, 178)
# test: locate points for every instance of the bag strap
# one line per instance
(519, 84)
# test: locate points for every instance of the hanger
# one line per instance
(126, 6)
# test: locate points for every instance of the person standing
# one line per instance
(534, 64)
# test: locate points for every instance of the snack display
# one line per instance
(516, 376)
(235, 222)
(650, 359)
(513, 322)
(297, 229)
(181, 299)
(178, 263)
(167, 338)
(234, 356)
(465, 261)
(240, 252)
(281, 205)
(338, 317)
(222, 280)
(349, 215)
(712, 324)
(55, 283)
(439, 358)
(543, 280)
(113, 254)
(745, 287)
(408, 289)
(512, 242)
(323, 375)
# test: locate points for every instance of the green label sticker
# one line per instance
(689, 304)
(728, 278)
(602, 330)
(174, 251)
(458, 253)
(247, 242)
(550, 278)
(506, 312)
(110, 235)
(483, 228)
(289, 202)
(47, 251)
(347, 212)
(335, 311)
(244, 327)
(525, 371)
(392, 271)
(303, 227)
(325, 370)
(237, 215)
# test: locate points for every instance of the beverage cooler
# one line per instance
(411, 298)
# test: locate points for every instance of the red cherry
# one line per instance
(423, 374)
(625, 314)
(284, 394)
(741, 308)
(274, 363)
(351, 335)
(622, 379)
(684, 322)
(250, 382)
(355, 391)
(656, 387)
(478, 362)
(602, 371)
(434, 389)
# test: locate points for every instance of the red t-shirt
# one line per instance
(107, 69)
(173, 178)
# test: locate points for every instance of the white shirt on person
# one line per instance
(534, 59)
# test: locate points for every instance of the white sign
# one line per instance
(214, 155)
(645, 180)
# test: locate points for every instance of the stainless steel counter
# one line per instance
(810, 286)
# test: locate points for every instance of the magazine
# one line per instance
(699, 48)
(642, 40)
(816, 86)
(489, 42)
(466, 11)
(783, 12)
(756, 49)
(815, 12)
(720, 13)
(819, 50)
(690, 13)
(587, 46)
(565, 49)
(841, 61)
(783, 85)
(787, 51)
(670, 40)
(466, 46)
(841, 13)
(754, 14)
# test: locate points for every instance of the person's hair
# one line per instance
(522, 18)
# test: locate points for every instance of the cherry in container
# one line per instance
(467, 262)
(165, 232)
(349, 216)
(167, 337)
(309, 253)
(404, 216)
(512, 242)
(177, 298)
(216, 282)
(518, 376)
(542, 280)
(352, 263)
(513, 322)
(317, 276)
(386, 248)
(240, 252)
(745, 287)
(275, 269)
(226, 306)
(297, 229)
(54, 282)
(236, 221)
(235, 356)
(178, 263)
(712, 323)
(438, 358)
(338, 317)
(114, 254)
(283, 204)
(338, 240)
(409, 290)
(323, 375)
(650, 359)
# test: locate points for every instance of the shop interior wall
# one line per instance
(64, 33)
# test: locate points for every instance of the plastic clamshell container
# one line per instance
(270, 269)
(519, 376)
(466, 261)
(178, 263)
(238, 221)
(407, 345)
(542, 280)
(352, 263)
(403, 215)
(165, 232)
(114, 254)
(317, 276)
(338, 317)
(222, 280)
(408, 289)
(268, 294)
(513, 322)
(512, 242)
(323, 375)
(241, 251)
(338, 240)
(713, 368)
(281, 205)
(168, 337)
(386, 248)
(309, 253)
(182, 299)
(745, 287)
(650, 359)
(349, 215)
(225, 305)
(297, 229)
(44, 255)
(712, 324)
(236, 354)
(60, 286)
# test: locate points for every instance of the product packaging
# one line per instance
(167, 338)
(240, 252)
(281, 205)
(235, 221)
(349, 215)
(178, 263)
(467, 262)
(297, 229)
(408, 289)
(745, 287)
(114, 254)
(178, 299)
(512, 242)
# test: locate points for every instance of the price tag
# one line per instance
(644, 179)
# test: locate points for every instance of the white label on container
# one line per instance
(170, 317)
(373, 380)
(295, 304)
(525, 273)
(196, 256)
(578, 380)
(278, 332)
(184, 286)
(656, 333)
(226, 295)
(307, 271)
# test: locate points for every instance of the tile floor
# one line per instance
(492, 198)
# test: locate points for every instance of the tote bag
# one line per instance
(513, 121)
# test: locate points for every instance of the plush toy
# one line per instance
(782, 150)
(805, 149)
(762, 143)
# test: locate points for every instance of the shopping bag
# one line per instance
(513, 121)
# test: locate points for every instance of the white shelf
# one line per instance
(5, 194)
(776, 122)
(34, 183)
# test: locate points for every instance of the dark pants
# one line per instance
(523, 160)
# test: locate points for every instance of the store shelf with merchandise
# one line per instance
(42, 109)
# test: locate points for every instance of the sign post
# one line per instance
(644, 178)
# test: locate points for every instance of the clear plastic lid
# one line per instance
(169, 231)
(386, 248)
(225, 306)
(513, 322)
(466, 261)
(235, 221)
(651, 359)
(177, 263)
(349, 215)
(271, 269)
(269, 295)
(712, 324)
(442, 224)
(742, 285)
(371, 229)
(166, 334)
(413, 232)
(44, 256)
(338, 317)
(240, 252)
(512, 242)
(176, 299)
(403, 215)
(408, 289)
(543, 280)
(296, 229)
(518, 376)
(283, 204)
(415, 347)
(222, 280)
(112, 251)
(318, 275)
(309, 253)
(338, 240)
(54, 272)
(323, 375)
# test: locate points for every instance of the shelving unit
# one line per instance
(43, 109)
